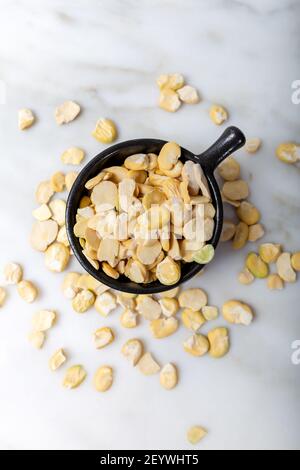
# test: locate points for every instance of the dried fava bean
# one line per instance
(69, 286)
(58, 209)
(70, 179)
(228, 231)
(154, 218)
(57, 257)
(229, 169)
(42, 213)
(128, 319)
(218, 114)
(248, 213)
(133, 351)
(288, 152)
(169, 306)
(169, 100)
(196, 345)
(74, 376)
(246, 277)
(205, 255)
(43, 320)
(136, 271)
(257, 266)
(285, 269)
(85, 201)
(168, 376)
(57, 182)
(37, 338)
(25, 118)
(43, 234)
(126, 302)
(173, 81)
(195, 434)
(13, 273)
(296, 261)
(149, 308)
(83, 301)
(147, 365)
(209, 211)
(210, 312)
(241, 236)
(138, 161)
(105, 131)
(115, 173)
(256, 232)
(139, 176)
(44, 192)
(202, 181)
(188, 94)
(105, 303)
(168, 271)
(170, 294)
(188, 175)
(126, 193)
(86, 281)
(57, 359)
(109, 271)
(103, 379)
(27, 291)
(72, 156)
(253, 145)
(62, 236)
(147, 254)
(66, 112)
(192, 319)
(163, 327)
(108, 250)
(105, 195)
(229, 201)
(236, 190)
(92, 261)
(2, 296)
(194, 299)
(274, 282)
(103, 337)
(219, 342)
(237, 313)
(269, 252)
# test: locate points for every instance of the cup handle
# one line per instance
(231, 140)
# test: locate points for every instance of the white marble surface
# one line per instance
(106, 55)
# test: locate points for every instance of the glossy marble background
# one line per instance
(106, 55)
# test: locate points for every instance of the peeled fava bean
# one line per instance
(195, 434)
(237, 313)
(248, 213)
(241, 236)
(194, 299)
(103, 379)
(285, 268)
(219, 342)
(168, 376)
(269, 252)
(196, 345)
(163, 327)
(74, 376)
(229, 169)
(257, 266)
(132, 350)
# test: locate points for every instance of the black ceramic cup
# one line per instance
(231, 140)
